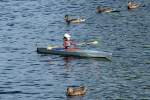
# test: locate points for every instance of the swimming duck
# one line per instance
(102, 9)
(69, 20)
(132, 5)
(75, 91)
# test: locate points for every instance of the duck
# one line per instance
(69, 20)
(103, 9)
(76, 91)
(132, 5)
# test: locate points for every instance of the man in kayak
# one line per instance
(67, 41)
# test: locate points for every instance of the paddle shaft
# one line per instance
(84, 43)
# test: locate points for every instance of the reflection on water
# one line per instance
(67, 60)
(76, 98)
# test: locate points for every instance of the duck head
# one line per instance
(129, 4)
(66, 17)
(69, 91)
(98, 9)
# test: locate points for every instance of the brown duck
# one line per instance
(76, 91)
(132, 5)
(105, 9)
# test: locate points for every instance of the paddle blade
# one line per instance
(88, 43)
(51, 47)
(93, 42)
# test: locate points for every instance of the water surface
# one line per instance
(28, 24)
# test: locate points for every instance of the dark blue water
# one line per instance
(28, 24)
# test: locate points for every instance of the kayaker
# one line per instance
(67, 41)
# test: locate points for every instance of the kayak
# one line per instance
(74, 52)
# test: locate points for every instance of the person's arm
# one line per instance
(73, 43)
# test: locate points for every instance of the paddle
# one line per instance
(80, 44)
(51, 47)
(88, 43)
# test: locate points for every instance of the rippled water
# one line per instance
(27, 24)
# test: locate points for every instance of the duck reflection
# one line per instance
(75, 98)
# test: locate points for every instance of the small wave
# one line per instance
(16, 92)
(11, 92)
